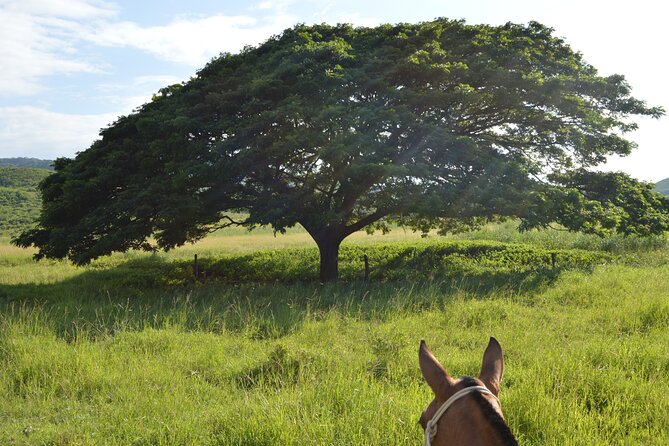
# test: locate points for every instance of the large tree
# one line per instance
(439, 124)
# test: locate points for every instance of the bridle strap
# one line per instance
(431, 427)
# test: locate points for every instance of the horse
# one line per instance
(465, 411)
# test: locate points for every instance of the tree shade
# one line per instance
(437, 124)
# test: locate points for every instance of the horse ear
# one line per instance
(433, 372)
(492, 367)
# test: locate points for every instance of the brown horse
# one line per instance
(465, 411)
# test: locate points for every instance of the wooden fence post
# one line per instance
(366, 259)
(196, 271)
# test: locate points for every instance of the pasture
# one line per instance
(132, 350)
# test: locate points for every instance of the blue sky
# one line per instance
(70, 67)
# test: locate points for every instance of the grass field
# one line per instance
(107, 354)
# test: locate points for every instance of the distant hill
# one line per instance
(20, 202)
(26, 162)
(663, 186)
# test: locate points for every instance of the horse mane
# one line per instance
(493, 417)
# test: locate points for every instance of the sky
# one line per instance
(70, 67)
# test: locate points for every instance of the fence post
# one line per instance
(553, 259)
(196, 271)
(366, 259)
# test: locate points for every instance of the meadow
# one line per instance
(132, 349)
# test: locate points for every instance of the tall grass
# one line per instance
(586, 362)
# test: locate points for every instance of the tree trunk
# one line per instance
(329, 250)
(329, 238)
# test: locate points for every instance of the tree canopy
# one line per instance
(437, 124)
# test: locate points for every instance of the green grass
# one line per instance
(107, 354)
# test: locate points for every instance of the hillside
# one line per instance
(663, 186)
(26, 162)
(19, 199)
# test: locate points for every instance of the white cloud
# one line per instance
(191, 41)
(277, 6)
(36, 132)
(44, 38)
(185, 41)
(265, 5)
(71, 9)
(38, 38)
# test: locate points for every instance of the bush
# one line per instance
(389, 262)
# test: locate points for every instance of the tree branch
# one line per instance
(369, 219)
(230, 222)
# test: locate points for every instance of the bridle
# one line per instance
(431, 426)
